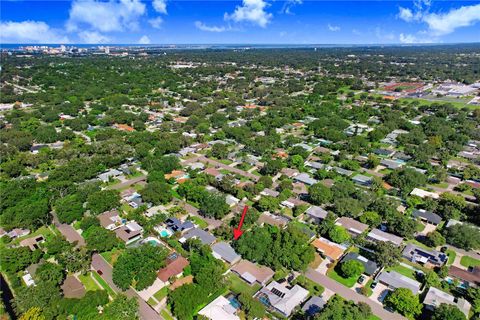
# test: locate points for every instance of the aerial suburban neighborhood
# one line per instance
(228, 183)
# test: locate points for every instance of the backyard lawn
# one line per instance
(468, 262)
(347, 282)
(111, 256)
(199, 222)
(237, 285)
(403, 271)
(88, 282)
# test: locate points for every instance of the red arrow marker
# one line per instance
(237, 232)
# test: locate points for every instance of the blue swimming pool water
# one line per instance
(153, 243)
(234, 302)
(164, 233)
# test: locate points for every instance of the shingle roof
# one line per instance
(225, 251)
(247, 268)
(379, 235)
(427, 215)
(175, 265)
(203, 236)
(370, 266)
(396, 280)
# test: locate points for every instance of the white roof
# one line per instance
(28, 279)
(247, 276)
(423, 193)
(284, 299)
(219, 309)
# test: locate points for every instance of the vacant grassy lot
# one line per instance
(347, 282)
(237, 285)
(88, 282)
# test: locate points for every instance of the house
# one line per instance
(314, 305)
(220, 308)
(362, 180)
(270, 193)
(305, 178)
(112, 173)
(130, 232)
(176, 175)
(391, 164)
(316, 214)
(423, 256)
(28, 279)
(468, 278)
(354, 227)
(314, 165)
(423, 193)
(384, 152)
(174, 267)
(273, 219)
(33, 243)
(15, 233)
(212, 172)
(435, 297)
(225, 252)
(231, 200)
(378, 235)
(281, 298)
(110, 220)
(329, 249)
(72, 288)
(289, 172)
(197, 166)
(395, 280)
(343, 172)
(370, 266)
(176, 225)
(196, 233)
(253, 273)
(427, 216)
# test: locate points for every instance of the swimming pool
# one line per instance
(152, 241)
(164, 233)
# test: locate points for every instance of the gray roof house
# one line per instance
(305, 178)
(353, 226)
(379, 235)
(223, 251)
(316, 213)
(391, 164)
(281, 298)
(427, 216)
(343, 172)
(395, 280)
(196, 233)
(420, 255)
(314, 305)
(270, 192)
(362, 180)
(435, 297)
(370, 266)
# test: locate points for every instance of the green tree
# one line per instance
(50, 272)
(405, 302)
(352, 268)
(102, 201)
(100, 239)
(157, 193)
(338, 308)
(214, 205)
(252, 307)
(448, 312)
(320, 194)
(69, 208)
(387, 254)
(434, 239)
(121, 308)
(338, 234)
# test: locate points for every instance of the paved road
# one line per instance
(472, 254)
(68, 231)
(127, 183)
(220, 165)
(146, 312)
(349, 294)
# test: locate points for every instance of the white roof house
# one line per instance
(435, 297)
(423, 193)
(27, 278)
(220, 308)
(282, 299)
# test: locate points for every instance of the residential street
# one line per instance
(127, 183)
(220, 165)
(349, 294)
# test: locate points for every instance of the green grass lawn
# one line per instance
(369, 290)
(152, 302)
(166, 315)
(88, 282)
(45, 231)
(111, 256)
(198, 221)
(237, 285)
(467, 262)
(104, 284)
(451, 256)
(403, 271)
(347, 282)
(225, 161)
(160, 294)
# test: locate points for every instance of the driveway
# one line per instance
(146, 312)
(349, 294)
(379, 293)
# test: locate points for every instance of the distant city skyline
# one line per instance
(239, 22)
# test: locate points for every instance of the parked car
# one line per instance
(361, 279)
(373, 285)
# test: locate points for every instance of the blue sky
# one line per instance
(245, 21)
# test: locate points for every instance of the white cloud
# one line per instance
(93, 37)
(408, 38)
(405, 14)
(160, 6)
(441, 24)
(114, 15)
(333, 28)
(252, 11)
(156, 22)
(30, 32)
(289, 4)
(144, 40)
(202, 26)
